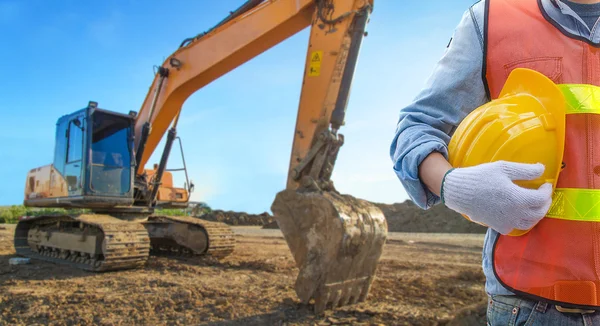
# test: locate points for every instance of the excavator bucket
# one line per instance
(336, 241)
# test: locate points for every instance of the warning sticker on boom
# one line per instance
(314, 67)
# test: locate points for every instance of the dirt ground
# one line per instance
(422, 279)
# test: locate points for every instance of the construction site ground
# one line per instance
(422, 279)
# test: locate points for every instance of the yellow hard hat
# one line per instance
(525, 124)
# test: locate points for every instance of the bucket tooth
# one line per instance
(345, 299)
(355, 295)
(336, 241)
(321, 303)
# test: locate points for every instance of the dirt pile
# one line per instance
(272, 225)
(408, 217)
(238, 218)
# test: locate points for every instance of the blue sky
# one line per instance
(237, 132)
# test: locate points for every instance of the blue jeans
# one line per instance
(512, 310)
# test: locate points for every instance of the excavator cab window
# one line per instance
(111, 148)
(68, 156)
(74, 163)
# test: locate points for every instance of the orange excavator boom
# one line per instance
(337, 27)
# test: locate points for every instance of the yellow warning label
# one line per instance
(316, 56)
(314, 68)
(314, 71)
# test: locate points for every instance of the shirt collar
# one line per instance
(564, 16)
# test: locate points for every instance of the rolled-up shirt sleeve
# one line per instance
(454, 89)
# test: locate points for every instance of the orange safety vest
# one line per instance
(558, 261)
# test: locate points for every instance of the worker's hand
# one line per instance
(487, 194)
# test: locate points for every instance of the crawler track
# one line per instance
(117, 244)
(210, 238)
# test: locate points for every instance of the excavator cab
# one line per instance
(94, 167)
(93, 162)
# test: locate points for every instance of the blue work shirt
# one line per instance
(453, 90)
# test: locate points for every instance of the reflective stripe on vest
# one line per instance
(573, 203)
(558, 261)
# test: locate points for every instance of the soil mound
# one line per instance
(238, 218)
(408, 217)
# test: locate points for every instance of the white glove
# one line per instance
(487, 194)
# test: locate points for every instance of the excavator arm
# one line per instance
(336, 239)
(337, 28)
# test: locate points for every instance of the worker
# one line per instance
(559, 39)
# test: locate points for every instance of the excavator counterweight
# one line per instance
(100, 161)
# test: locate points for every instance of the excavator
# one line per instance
(100, 159)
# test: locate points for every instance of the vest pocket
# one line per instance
(551, 67)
